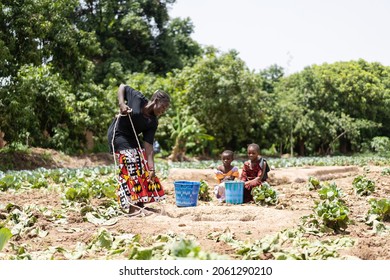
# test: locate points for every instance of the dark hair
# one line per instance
(228, 152)
(159, 95)
(254, 146)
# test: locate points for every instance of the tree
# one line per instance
(41, 31)
(35, 105)
(341, 101)
(223, 95)
(138, 35)
(186, 132)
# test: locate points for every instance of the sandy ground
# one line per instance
(248, 222)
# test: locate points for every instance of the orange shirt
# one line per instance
(220, 175)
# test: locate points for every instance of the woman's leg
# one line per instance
(128, 179)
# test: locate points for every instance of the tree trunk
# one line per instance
(2, 141)
(344, 145)
(178, 152)
(301, 147)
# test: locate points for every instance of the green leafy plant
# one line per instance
(289, 244)
(380, 210)
(385, 171)
(204, 193)
(363, 185)
(170, 247)
(329, 191)
(380, 144)
(10, 181)
(5, 235)
(329, 213)
(334, 214)
(80, 194)
(314, 183)
(264, 194)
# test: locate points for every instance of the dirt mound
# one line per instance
(48, 158)
(301, 174)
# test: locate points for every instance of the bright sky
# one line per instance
(292, 33)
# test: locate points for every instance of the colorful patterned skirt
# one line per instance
(134, 184)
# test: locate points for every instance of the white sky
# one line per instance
(292, 33)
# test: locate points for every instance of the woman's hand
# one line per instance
(152, 175)
(150, 160)
(124, 109)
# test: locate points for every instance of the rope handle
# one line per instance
(136, 137)
(139, 145)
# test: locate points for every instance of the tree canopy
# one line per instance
(62, 61)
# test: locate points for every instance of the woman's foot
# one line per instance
(136, 209)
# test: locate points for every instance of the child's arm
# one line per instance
(235, 173)
(219, 174)
(232, 174)
(259, 179)
(244, 176)
(250, 183)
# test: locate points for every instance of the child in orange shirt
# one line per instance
(225, 172)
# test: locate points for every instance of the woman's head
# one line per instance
(161, 101)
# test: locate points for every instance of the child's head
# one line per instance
(227, 157)
(253, 151)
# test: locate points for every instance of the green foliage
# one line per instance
(314, 183)
(62, 61)
(363, 185)
(379, 210)
(289, 244)
(330, 213)
(170, 247)
(187, 134)
(204, 191)
(356, 160)
(44, 99)
(5, 235)
(103, 239)
(333, 214)
(10, 181)
(329, 191)
(333, 106)
(80, 194)
(264, 194)
(385, 171)
(136, 36)
(218, 91)
(36, 32)
(381, 144)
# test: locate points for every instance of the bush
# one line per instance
(380, 144)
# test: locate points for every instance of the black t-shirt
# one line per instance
(124, 134)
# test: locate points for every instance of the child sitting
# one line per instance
(225, 172)
(254, 172)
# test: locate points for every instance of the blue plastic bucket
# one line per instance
(234, 192)
(186, 193)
